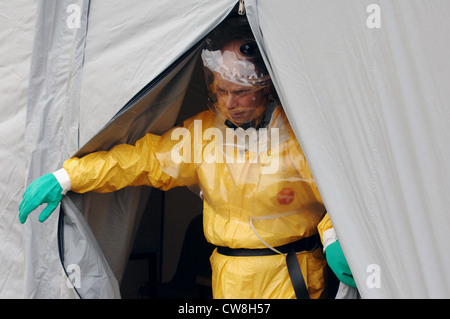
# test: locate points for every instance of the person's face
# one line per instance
(239, 103)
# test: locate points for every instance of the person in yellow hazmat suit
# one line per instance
(262, 208)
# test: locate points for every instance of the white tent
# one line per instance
(364, 84)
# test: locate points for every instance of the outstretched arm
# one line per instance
(104, 171)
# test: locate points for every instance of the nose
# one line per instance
(231, 102)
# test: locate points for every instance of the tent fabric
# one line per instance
(367, 104)
(370, 109)
(17, 21)
(51, 130)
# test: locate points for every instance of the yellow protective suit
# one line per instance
(250, 195)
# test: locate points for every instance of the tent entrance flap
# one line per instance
(153, 109)
(96, 231)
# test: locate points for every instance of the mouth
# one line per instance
(236, 114)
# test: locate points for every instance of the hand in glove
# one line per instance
(45, 189)
(337, 262)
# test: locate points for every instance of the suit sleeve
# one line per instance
(326, 231)
(128, 165)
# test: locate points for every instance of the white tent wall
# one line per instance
(370, 109)
(51, 129)
(17, 22)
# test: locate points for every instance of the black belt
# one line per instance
(304, 244)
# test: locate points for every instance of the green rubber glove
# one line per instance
(337, 262)
(45, 189)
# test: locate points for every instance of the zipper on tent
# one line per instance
(241, 9)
